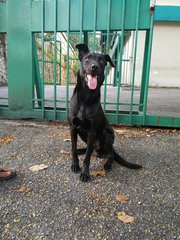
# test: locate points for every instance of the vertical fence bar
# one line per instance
(42, 51)
(107, 51)
(35, 59)
(37, 76)
(60, 63)
(67, 58)
(134, 60)
(148, 67)
(116, 63)
(126, 64)
(81, 21)
(121, 54)
(94, 24)
(55, 56)
(141, 101)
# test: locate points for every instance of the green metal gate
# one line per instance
(42, 59)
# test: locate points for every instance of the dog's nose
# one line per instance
(94, 67)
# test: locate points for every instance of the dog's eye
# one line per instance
(87, 60)
(101, 61)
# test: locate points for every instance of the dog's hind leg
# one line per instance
(75, 160)
(108, 146)
(108, 164)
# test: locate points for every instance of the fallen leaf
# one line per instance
(38, 238)
(120, 131)
(17, 220)
(123, 217)
(6, 139)
(99, 235)
(96, 173)
(7, 225)
(64, 152)
(24, 189)
(37, 168)
(122, 198)
(154, 131)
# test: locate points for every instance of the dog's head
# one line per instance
(92, 66)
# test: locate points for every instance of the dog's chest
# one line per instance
(83, 118)
(85, 112)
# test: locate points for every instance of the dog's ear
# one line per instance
(108, 59)
(83, 49)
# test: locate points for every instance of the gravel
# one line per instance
(54, 204)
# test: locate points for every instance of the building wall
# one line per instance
(165, 61)
(168, 2)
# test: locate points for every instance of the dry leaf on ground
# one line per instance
(24, 189)
(17, 220)
(122, 198)
(96, 173)
(6, 139)
(123, 217)
(37, 168)
(120, 131)
(64, 152)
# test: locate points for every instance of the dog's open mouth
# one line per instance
(91, 81)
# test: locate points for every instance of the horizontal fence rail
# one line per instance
(42, 59)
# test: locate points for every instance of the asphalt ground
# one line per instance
(53, 204)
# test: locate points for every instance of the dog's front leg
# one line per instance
(75, 160)
(85, 176)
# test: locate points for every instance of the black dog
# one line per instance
(86, 117)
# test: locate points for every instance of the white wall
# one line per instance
(165, 63)
(168, 2)
(165, 59)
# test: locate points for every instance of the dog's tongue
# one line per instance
(92, 81)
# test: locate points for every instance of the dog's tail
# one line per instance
(125, 163)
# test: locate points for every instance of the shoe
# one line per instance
(6, 173)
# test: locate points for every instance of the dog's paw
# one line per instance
(84, 177)
(75, 168)
(107, 166)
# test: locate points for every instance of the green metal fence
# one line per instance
(42, 59)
